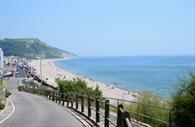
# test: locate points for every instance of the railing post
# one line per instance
(67, 100)
(119, 115)
(126, 119)
(82, 103)
(72, 101)
(97, 110)
(50, 95)
(46, 94)
(63, 99)
(59, 98)
(53, 96)
(56, 97)
(106, 122)
(89, 107)
(76, 101)
(123, 117)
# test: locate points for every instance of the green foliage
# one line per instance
(1, 84)
(31, 48)
(45, 89)
(2, 106)
(183, 103)
(147, 100)
(33, 85)
(77, 86)
(7, 93)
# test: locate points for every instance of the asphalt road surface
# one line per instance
(35, 111)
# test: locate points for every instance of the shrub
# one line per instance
(147, 100)
(77, 86)
(183, 103)
(2, 106)
(33, 85)
(7, 93)
(1, 84)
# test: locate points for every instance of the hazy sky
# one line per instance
(104, 27)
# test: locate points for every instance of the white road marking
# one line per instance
(9, 114)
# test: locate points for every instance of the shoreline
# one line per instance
(50, 72)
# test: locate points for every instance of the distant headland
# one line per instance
(31, 48)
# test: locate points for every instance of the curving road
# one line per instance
(35, 111)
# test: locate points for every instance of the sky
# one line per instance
(104, 27)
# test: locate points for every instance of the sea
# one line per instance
(160, 75)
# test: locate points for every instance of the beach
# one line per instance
(50, 72)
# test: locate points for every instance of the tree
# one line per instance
(77, 86)
(183, 103)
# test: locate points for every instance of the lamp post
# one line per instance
(41, 70)
(40, 64)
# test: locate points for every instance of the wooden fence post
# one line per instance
(106, 122)
(53, 96)
(89, 107)
(63, 97)
(67, 100)
(60, 98)
(76, 101)
(97, 110)
(126, 119)
(72, 98)
(119, 115)
(49, 95)
(56, 94)
(82, 103)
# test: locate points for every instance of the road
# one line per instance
(35, 111)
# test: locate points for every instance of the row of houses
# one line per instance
(7, 63)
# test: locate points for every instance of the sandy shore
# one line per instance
(50, 72)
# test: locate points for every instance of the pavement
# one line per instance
(35, 111)
(7, 111)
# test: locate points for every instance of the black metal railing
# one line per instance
(98, 109)
(138, 118)
(83, 105)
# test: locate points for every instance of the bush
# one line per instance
(183, 103)
(2, 106)
(147, 100)
(7, 93)
(1, 84)
(33, 85)
(77, 86)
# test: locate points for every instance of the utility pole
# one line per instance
(41, 70)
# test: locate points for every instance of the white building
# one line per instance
(1, 58)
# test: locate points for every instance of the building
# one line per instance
(1, 58)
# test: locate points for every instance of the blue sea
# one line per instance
(158, 74)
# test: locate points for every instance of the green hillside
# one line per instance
(31, 48)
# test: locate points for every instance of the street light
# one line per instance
(40, 68)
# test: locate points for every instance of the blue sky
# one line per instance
(104, 27)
